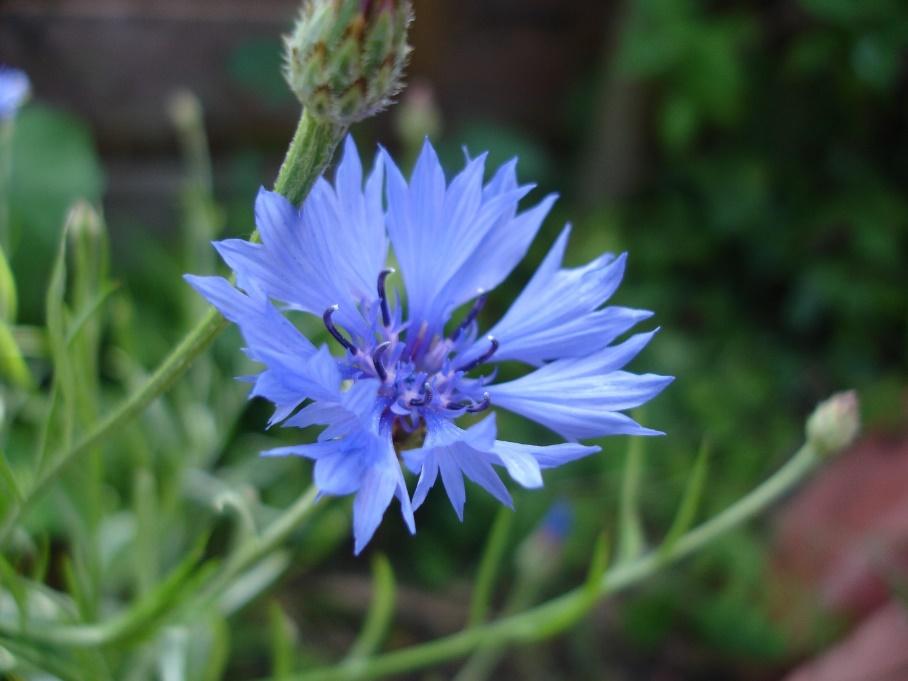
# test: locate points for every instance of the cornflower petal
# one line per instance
(558, 314)
(327, 253)
(581, 398)
(452, 240)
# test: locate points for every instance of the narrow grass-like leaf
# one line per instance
(8, 298)
(15, 585)
(489, 566)
(42, 559)
(56, 313)
(172, 662)
(690, 501)
(248, 586)
(381, 612)
(218, 649)
(89, 311)
(10, 487)
(283, 642)
(42, 660)
(598, 564)
(630, 527)
(77, 586)
(147, 522)
(12, 365)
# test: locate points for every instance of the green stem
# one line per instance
(309, 154)
(560, 613)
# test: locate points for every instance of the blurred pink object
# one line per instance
(845, 536)
(877, 650)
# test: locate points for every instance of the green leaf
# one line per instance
(56, 314)
(596, 570)
(381, 612)
(172, 660)
(489, 566)
(283, 642)
(147, 537)
(12, 582)
(10, 488)
(690, 501)
(7, 290)
(218, 650)
(28, 656)
(12, 365)
(630, 527)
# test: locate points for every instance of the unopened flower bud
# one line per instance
(835, 423)
(345, 58)
(88, 252)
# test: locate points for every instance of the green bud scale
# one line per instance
(345, 58)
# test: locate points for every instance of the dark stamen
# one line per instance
(478, 304)
(425, 399)
(484, 357)
(383, 296)
(376, 360)
(332, 329)
(482, 405)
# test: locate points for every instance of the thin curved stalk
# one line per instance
(560, 613)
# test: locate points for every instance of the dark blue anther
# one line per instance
(482, 405)
(478, 304)
(425, 399)
(332, 329)
(376, 360)
(484, 357)
(383, 296)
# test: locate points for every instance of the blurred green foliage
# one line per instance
(55, 164)
(769, 233)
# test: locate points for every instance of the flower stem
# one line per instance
(562, 612)
(309, 153)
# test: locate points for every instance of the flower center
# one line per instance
(417, 375)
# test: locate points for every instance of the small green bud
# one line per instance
(835, 423)
(345, 58)
(88, 244)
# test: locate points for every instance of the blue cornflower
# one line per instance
(403, 381)
(14, 89)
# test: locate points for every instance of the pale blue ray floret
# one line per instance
(405, 379)
(14, 90)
